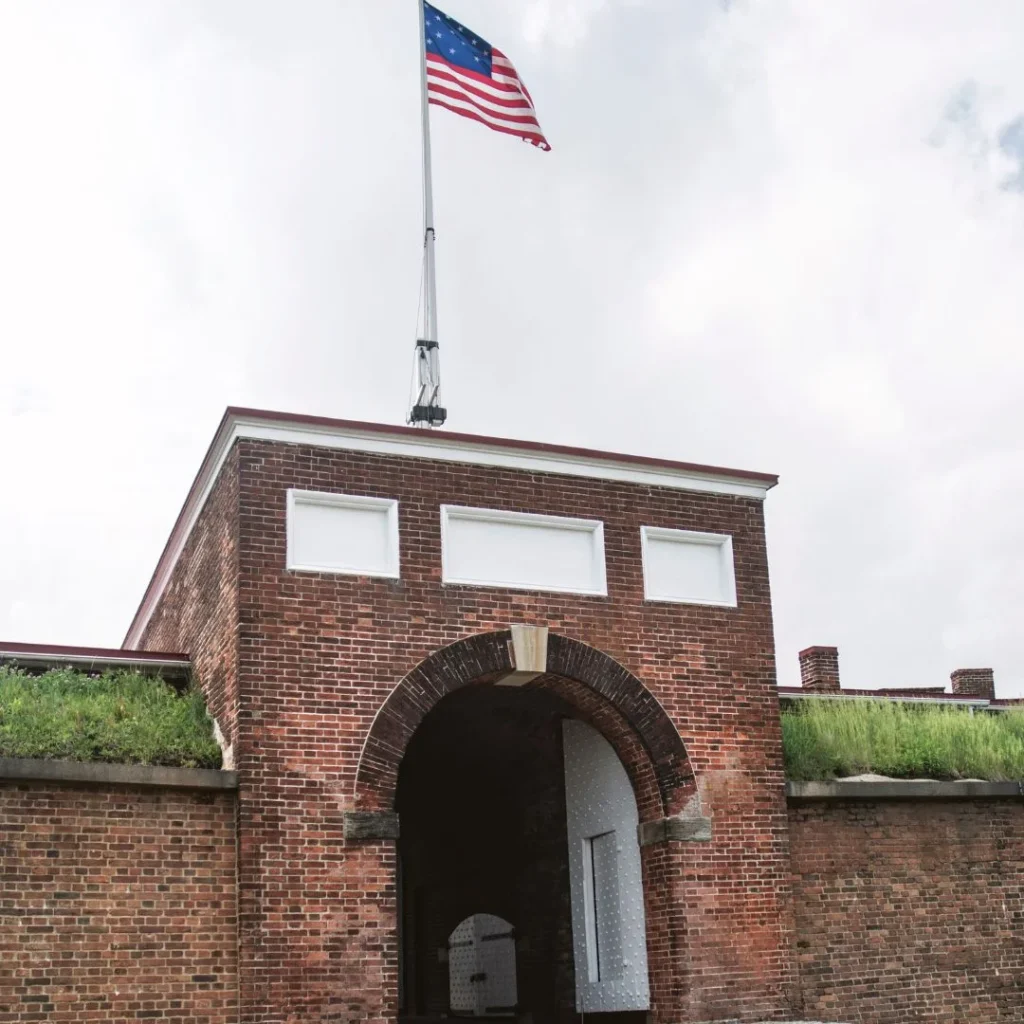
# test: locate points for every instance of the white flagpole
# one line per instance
(426, 409)
(430, 288)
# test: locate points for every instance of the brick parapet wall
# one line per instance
(319, 654)
(198, 611)
(117, 903)
(910, 910)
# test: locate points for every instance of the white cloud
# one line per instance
(776, 235)
(563, 22)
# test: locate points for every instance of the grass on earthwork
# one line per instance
(828, 739)
(117, 717)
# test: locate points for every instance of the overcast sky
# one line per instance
(783, 236)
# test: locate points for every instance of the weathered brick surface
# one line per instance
(117, 904)
(198, 614)
(910, 911)
(320, 654)
(819, 669)
(601, 691)
(974, 682)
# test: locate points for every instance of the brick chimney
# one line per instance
(974, 682)
(819, 669)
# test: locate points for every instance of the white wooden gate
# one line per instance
(482, 967)
(606, 884)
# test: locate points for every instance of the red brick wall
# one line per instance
(198, 612)
(318, 655)
(116, 904)
(910, 911)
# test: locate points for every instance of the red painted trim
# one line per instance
(501, 442)
(922, 693)
(57, 651)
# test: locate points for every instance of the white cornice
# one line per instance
(505, 455)
(423, 445)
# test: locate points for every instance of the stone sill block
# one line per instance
(902, 789)
(23, 769)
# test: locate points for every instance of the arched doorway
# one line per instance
(512, 809)
(607, 694)
(479, 776)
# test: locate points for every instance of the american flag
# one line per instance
(470, 77)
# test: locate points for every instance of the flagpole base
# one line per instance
(430, 415)
(426, 410)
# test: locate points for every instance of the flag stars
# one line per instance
(451, 45)
(454, 43)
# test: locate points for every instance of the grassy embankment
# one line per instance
(827, 739)
(127, 718)
(119, 717)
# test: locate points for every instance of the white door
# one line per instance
(606, 885)
(482, 967)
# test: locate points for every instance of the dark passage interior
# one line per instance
(481, 798)
(484, 870)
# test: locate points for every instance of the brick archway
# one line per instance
(602, 691)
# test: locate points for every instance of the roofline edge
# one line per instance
(239, 422)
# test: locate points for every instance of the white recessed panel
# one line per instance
(342, 533)
(688, 567)
(494, 548)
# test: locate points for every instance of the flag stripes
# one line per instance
(469, 77)
(501, 102)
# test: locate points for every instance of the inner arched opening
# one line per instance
(488, 833)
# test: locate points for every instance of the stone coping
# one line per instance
(31, 769)
(902, 789)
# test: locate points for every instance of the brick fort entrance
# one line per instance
(522, 800)
(419, 647)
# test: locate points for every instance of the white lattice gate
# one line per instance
(482, 967)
